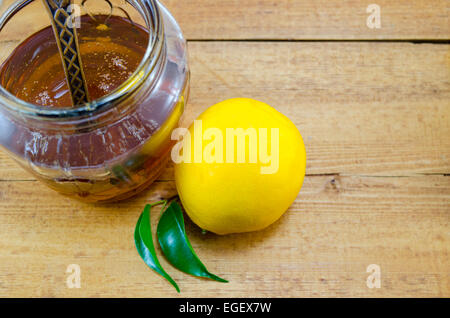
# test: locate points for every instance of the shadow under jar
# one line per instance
(138, 81)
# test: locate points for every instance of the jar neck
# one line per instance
(109, 108)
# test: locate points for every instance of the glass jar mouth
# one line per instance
(151, 14)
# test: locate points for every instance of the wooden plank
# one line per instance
(289, 19)
(306, 20)
(321, 247)
(362, 108)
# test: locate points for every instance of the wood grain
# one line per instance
(306, 20)
(321, 247)
(291, 19)
(362, 108)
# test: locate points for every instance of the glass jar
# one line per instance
(113, 147)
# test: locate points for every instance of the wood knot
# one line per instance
(334, 184)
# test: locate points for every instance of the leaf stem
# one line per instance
(159, 203)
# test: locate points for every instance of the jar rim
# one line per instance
(150, 11)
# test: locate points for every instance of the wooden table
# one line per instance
(373, 106)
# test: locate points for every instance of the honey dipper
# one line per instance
(67, 41)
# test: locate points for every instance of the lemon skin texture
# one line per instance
(226, 198)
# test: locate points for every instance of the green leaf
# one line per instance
(175, 244)
(121, 174)
(146, 249)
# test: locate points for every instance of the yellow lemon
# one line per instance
(239, 167)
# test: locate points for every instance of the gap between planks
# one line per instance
(312, 175)
(415, 41)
